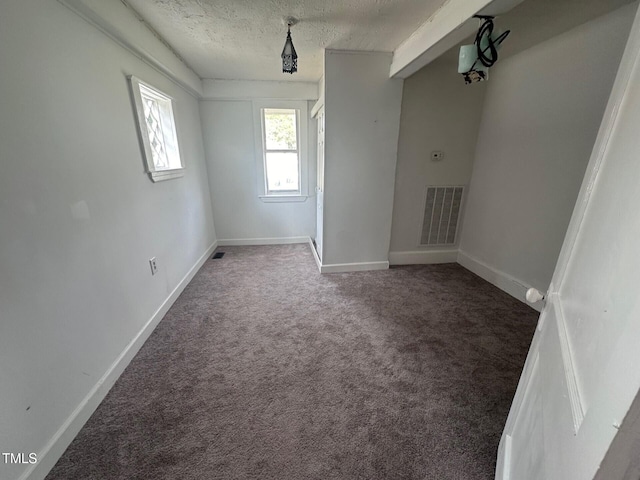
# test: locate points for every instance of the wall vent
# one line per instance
(441, 215)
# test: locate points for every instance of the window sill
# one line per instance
(161, 175)
(283, 198)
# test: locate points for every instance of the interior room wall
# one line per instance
(80, 220)
(362, 112)
(241, 217)
(439, 113)
(542, 110)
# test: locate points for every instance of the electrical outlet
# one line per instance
(153, 263)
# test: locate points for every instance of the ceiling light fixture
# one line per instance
(289, 55)
(475, 60)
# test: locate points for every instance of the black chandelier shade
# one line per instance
(289, 55)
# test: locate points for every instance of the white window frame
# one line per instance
(302, 126)
(156, 173)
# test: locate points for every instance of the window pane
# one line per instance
(154, 130)
(282, 172)
(169, 133)
(280, 129)
(161, 130)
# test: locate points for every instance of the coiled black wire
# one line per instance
(486, 29)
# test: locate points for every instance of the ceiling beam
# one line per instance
(123, 25)
(446, 28)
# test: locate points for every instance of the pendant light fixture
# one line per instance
(289, 55)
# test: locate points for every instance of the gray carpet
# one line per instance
(264, 369)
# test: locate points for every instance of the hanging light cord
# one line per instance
(486, 30)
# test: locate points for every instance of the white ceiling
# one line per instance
(243, 39)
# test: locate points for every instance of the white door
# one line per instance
(320, 183)
(583, 369)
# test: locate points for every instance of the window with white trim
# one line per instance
(157, 128)
(281, 150)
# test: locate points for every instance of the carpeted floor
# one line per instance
(264, 369)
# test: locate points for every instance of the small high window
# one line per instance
(157, 128)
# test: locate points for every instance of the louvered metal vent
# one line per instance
(441, 215)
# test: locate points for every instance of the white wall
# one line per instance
(439, 112)
(218, 89)
(542, 110)
(362, 111)
(79, 220)
(240, 215)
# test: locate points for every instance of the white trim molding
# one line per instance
(171, 142)
(161, 175)
(423, 257)
(353, 267)
(317, 106)
(316, 257)
(283, 198)
(56, 446)
(230, 242)
(575, 398)
(302, 126)
(505, 282)
(345, 267)
(320, 103)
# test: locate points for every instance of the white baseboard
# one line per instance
(345, 267)
(315, 255)
(422, 257)
(353, 267)
(514, 287)
(56, 446)
(228, 242)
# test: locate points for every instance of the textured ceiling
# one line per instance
(243, 39)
